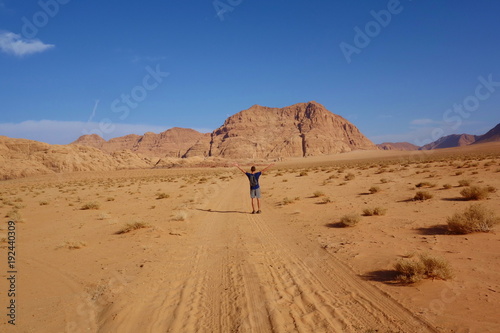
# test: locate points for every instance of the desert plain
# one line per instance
(177, 250)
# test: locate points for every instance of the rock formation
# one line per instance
(304, 129)
(449, 141)
(397, 146)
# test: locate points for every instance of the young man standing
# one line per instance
(253, 177)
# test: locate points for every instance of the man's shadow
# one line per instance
(222, 211)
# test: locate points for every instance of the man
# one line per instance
(253, 177)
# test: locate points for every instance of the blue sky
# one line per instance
(399, 70)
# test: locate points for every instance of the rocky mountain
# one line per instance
(22, 158)
(304, 129)
(397, 146)
(449, 141)
(490, 136)
(174, 142)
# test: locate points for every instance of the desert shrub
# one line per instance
(110, 199)
(133, 226)
(14, 215)
(374, 189)
(318, 194)
(349, 176)
(475, 193)
(342, 183)
(464, 182)
(458, 173)
(349, 220)
(326, 200)
(287, 201)
(475, 218)
(302, 174)
(491, 189)
(425, 266)
(374, 211)
(162, 196)
(384, 180)
(422, 195)
(447, 186)
(73, 245)
(43, 203)
(90, 205)
(425, 184)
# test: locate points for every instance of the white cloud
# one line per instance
(64, 132)
(15, 44)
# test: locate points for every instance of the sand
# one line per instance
(202, 263)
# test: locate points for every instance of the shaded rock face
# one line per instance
(450, 141)
(304, 129)
(397, 146)
(491, 136)
(174, 142)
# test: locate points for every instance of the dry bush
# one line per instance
(447, 186)
(475, 218)
(349, 220)
(287, 201)
(90, 205)
(318, 194)
(326, 200)
(422, 195)
(110, 199)
(14, 215)
(302, 174)
(374, 189)
(384, 180)
(378, 211)
(426, 266)
(43, 203)
(425, 184)
(475, 193)
(73, 245)
(349, 176)
(162, 196)
(464, 182)
(132, 226)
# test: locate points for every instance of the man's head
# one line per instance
(252, 169)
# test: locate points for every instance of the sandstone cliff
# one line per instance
(397, 146)
(304, 129)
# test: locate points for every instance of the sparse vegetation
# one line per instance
(464, 182)
(326, 200)
(318, 194)
(425, 184)
(349, 176)
(73, 245)
(422, 195)
(447, 186)
(475, 193)
(43, 203)
(91, 205)
(349, 220)
(302, 174)
(475, 218)
(133, 226)
(162, 196)
(374, 189)
(425, 266)
(374, 211)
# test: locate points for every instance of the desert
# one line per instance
(177, 250)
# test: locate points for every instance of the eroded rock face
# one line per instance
(450, 141)
(174, 142)
(304, 129)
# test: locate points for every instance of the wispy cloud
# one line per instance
(14, 44)
(64, 132)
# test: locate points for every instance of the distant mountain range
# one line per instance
(449, 141)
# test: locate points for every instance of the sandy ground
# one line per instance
(204, 264)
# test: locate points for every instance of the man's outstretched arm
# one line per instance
(238, 166)
(267, 167)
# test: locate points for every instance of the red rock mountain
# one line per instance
(304, 129)
(173, 142)
(449, 141)
(397, 146)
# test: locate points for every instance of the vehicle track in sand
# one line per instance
(240, 272)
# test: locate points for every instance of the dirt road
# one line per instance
(239, 272)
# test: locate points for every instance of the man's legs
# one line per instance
(258, 204)
(253, 207)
